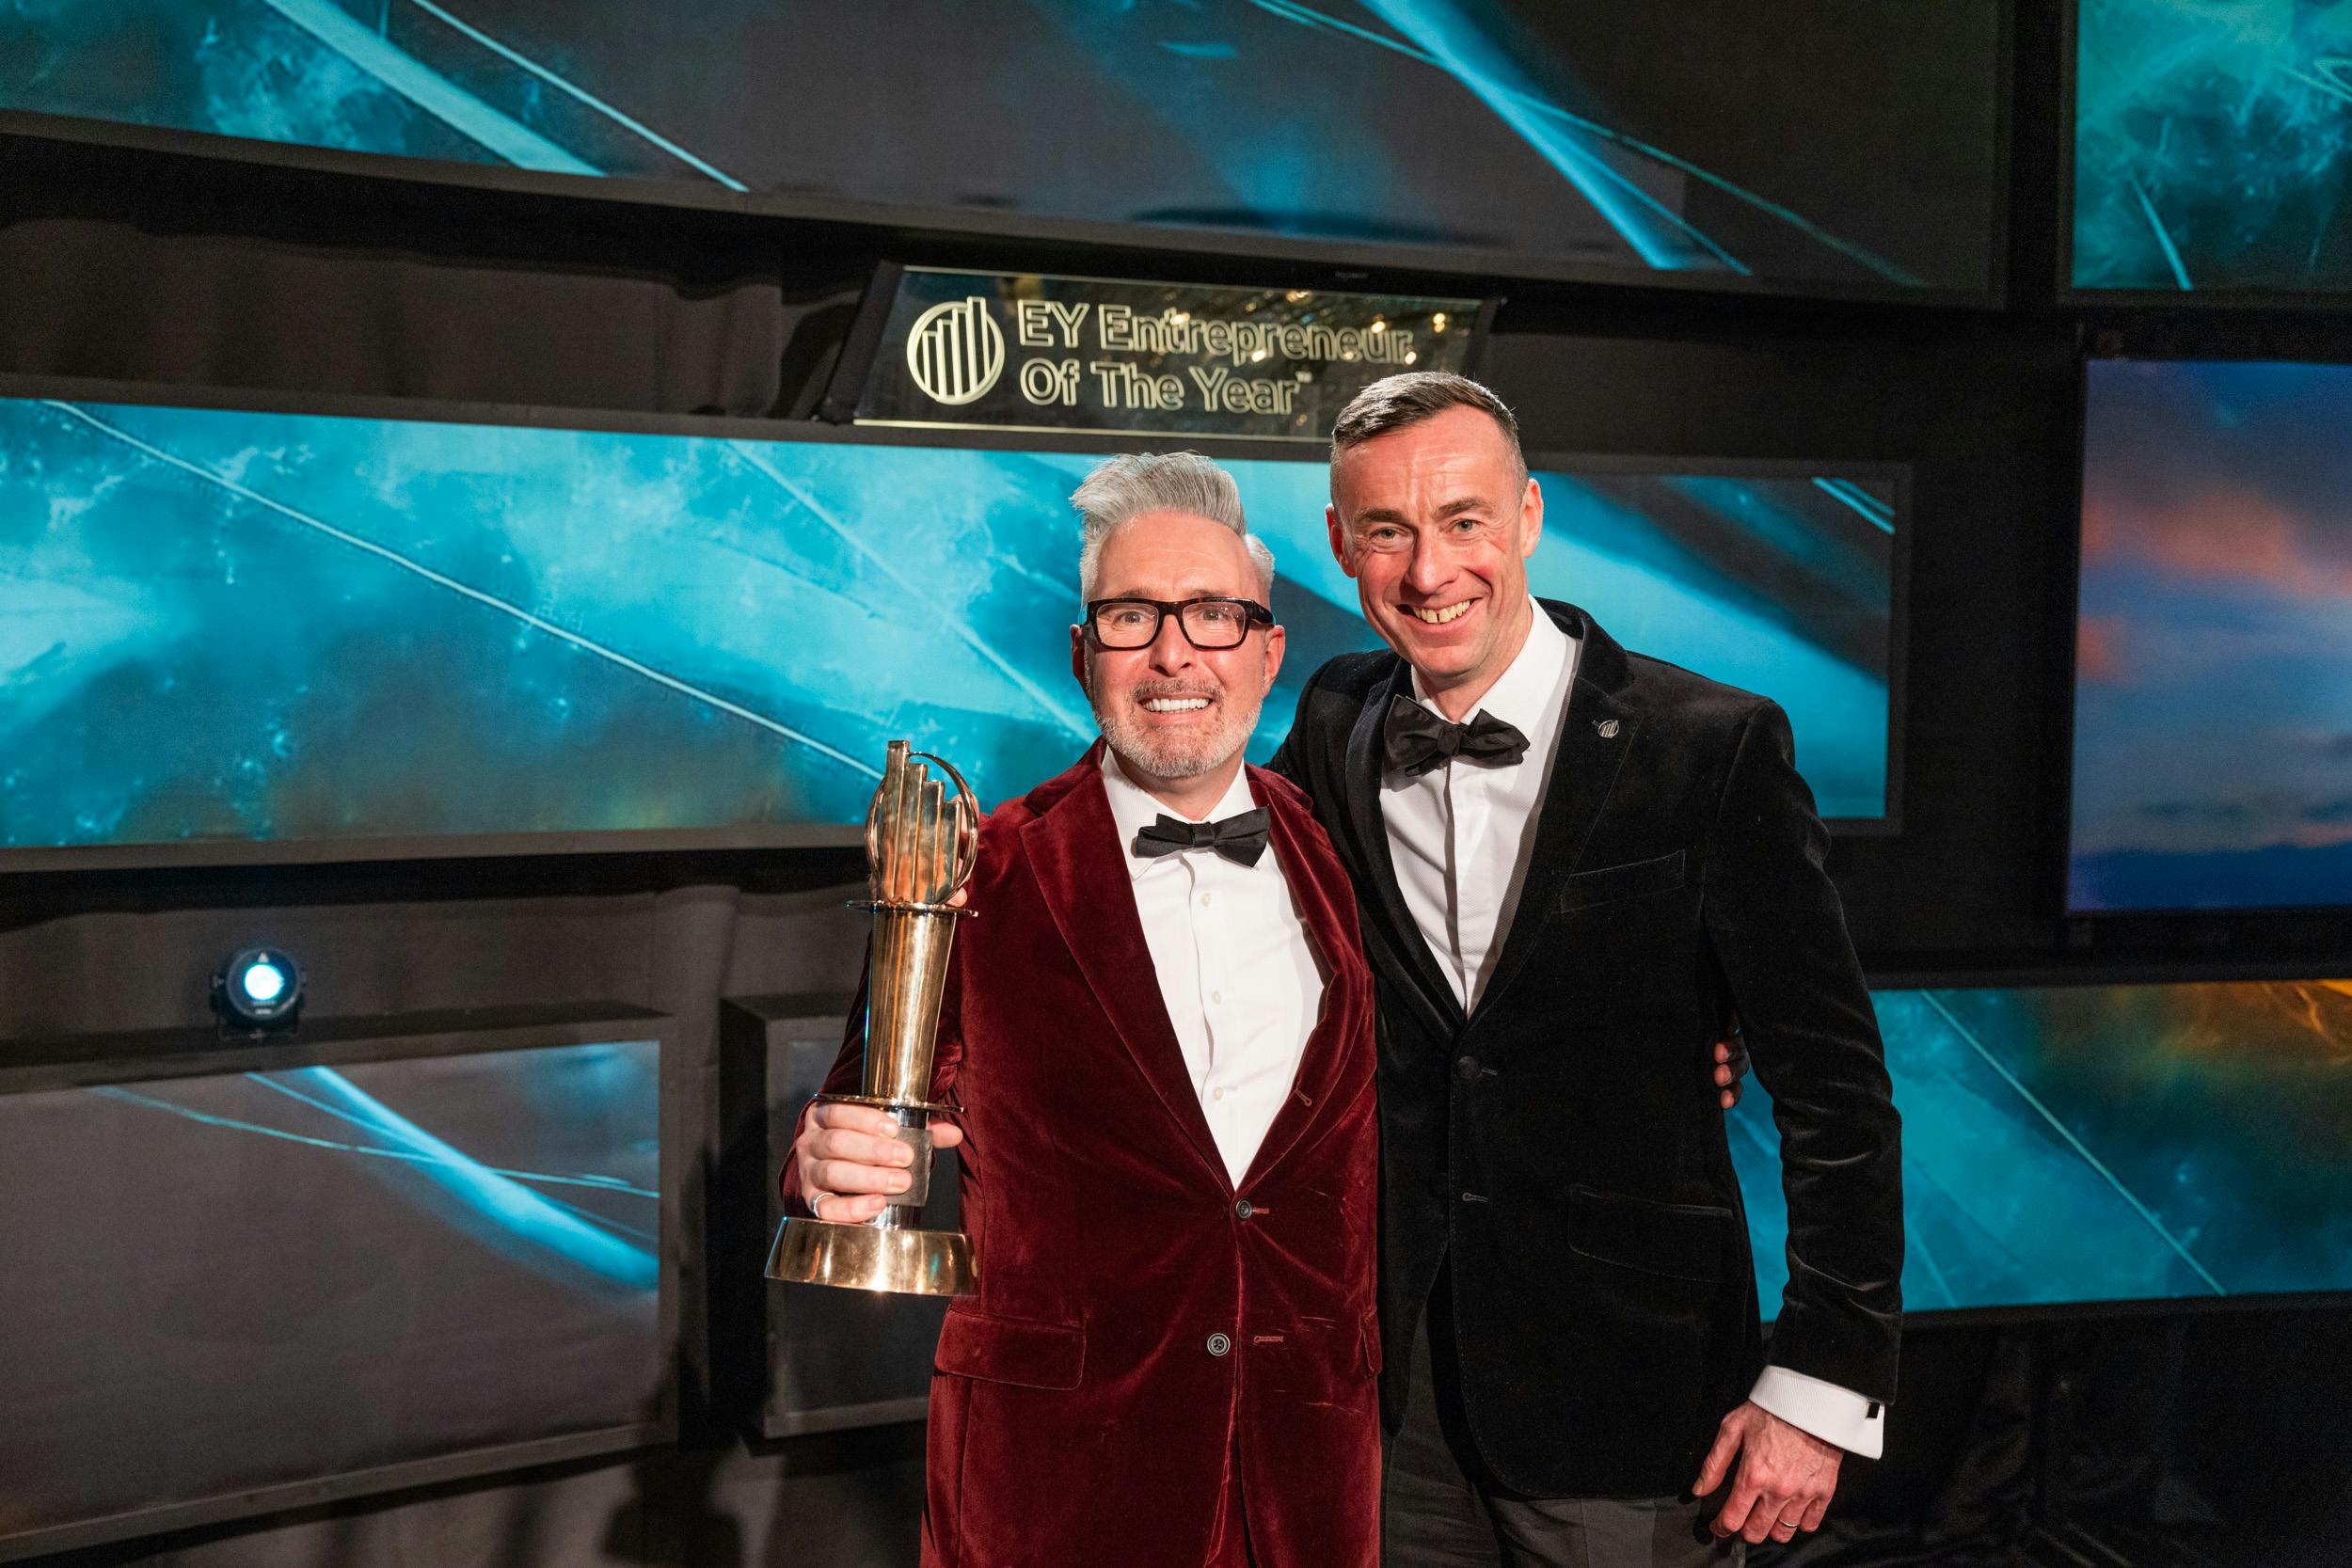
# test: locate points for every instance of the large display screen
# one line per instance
(2213, 145)
(1709, 139)
(221, 1285)
(237, 629)
(2212, 706)
(2080, 1144)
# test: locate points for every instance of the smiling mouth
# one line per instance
(1438, 615)
(1173, 704)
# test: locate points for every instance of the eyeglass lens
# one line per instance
(1135, 623)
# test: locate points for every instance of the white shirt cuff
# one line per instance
(1833, 1414)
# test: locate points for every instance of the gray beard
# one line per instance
(1178, 756)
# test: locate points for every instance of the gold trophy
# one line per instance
(920, 847)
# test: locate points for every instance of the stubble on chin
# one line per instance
(1178, 756)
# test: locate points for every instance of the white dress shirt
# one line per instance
(1461, 836)
(1241, 978)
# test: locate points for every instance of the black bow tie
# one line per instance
(1418, 740)
(1240, 838)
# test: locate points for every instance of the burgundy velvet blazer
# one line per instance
(1148, 1345)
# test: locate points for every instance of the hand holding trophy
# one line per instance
(920, 849)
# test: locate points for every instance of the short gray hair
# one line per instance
(1126, 487)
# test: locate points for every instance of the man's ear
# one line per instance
(1339, 538)
(1530, 517)
(1078, 659)
(1276, 641)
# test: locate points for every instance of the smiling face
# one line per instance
(1435, 522)
(1177, 715)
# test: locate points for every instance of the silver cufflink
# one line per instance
(1608, 728)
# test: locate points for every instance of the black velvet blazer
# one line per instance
(1563, 1143)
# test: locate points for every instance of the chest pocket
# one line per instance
(1633, 880)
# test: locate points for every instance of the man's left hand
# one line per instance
(1785, 1479)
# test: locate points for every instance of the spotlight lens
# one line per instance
(263, 983)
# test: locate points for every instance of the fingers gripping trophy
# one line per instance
(920, 848)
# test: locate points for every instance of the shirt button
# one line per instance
(1219, 1344)
(1204, 900)
(1243, 1209)
(1217, 1093)
(1216, 996)
(1466, 1068)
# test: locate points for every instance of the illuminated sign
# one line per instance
(1032, 352)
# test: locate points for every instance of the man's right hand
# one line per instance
(1731, 1065)
(848, 1161)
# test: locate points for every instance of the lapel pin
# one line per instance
(1608, 728)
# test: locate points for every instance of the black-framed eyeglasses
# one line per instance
(1208, 624)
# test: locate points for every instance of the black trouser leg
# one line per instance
(1438, 1509)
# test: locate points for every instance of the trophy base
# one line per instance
(872, 1258)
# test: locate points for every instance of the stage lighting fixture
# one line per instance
(259, 989)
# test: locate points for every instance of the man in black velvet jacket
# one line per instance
(1573, 862)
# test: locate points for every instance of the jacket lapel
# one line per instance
(1596, 731)
(1327, 907)
(1074, 849)
(1398, 947)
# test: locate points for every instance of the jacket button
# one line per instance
(1243, 1209)
(1219, 1344)
(1466, 1068)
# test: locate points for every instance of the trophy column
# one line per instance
(920, 847)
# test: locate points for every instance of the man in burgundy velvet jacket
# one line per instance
(1157, 1034)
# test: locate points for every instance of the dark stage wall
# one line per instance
(138, 266)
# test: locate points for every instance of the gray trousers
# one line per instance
(1436, 1512)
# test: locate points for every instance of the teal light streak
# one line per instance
(579, 93)
(462, 111)
(1291, 11)
(234, 1125)
(1880, 514)
(1458, 49)
(2164, 237)
(2072, 1142)
(517, 1214)
(513, 1208)
(454, 107)
(607, 1183)
(985, 648)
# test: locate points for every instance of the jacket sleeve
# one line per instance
(1773, 919)
(848, 1068)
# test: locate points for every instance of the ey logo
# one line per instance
(956, 351)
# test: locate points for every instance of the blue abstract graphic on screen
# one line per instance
(2104, 1143)
(229, 1282)
(2213, 145)
(2212, 712)
(594, 1230)
(1502, 125)
(260, 627)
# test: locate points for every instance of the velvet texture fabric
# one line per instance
(1562, 1143)
(1147, 1367)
